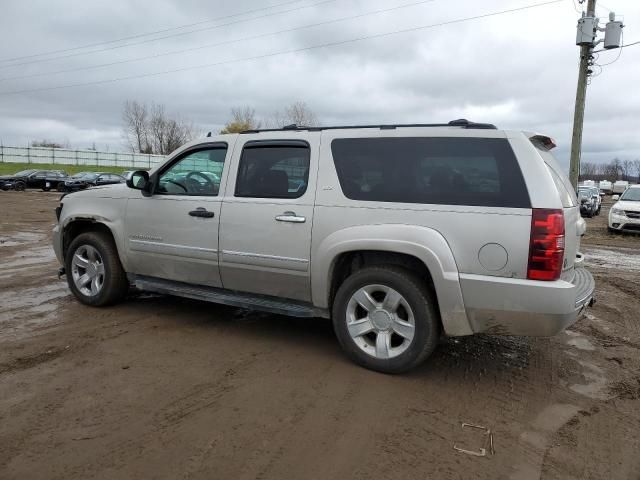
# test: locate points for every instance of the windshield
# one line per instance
(631, 195)
(90, 176)
(80, 174)
(24, 172)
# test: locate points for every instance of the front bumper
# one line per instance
(57, 243)
(507, 306)
(624, 223)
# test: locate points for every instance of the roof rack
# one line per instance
(462, 122)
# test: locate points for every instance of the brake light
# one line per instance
(546, 244)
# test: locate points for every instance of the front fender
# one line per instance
(426, 244)
(109, 212)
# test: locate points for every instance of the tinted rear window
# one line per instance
(444, 171)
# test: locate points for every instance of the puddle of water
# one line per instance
(615, 259)
(35, 297)
(21, 238)
(581, 343)
(596, 382)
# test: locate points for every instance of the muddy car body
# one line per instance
(400, 234)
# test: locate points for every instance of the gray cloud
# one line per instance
(517, 70)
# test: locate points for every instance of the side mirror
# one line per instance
(139, 180)
(615, 197)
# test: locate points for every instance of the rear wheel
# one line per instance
(385, 319)
(94, 273)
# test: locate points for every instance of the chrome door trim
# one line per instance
(173, 249)
(261, 260)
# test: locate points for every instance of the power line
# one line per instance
(286, 52)
(621, 46)
(179, 34)
(227, 42)
(140, 35)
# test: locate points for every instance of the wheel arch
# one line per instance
(82, 224)
(420, 249)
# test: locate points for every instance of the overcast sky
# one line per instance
(517, 70)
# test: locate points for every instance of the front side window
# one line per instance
(273, 171)
(197, 173)
(431, 170)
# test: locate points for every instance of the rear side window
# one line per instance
(442, 171)
(273, 171)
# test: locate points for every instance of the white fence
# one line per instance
(63, 156)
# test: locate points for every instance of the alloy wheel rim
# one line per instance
(380, 321)
(87, 270)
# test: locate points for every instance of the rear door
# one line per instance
(267, 214)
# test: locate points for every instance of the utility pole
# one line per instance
(581, 93)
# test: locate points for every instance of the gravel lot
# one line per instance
(168, 388)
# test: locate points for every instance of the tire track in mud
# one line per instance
(157, 428)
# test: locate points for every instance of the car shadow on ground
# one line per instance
(490, 354)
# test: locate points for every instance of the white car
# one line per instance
(625, 213)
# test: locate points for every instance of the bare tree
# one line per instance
(242, 118)
(298, 113)
(151, 130)
(636, 168)
(588, 170)
(627, 169)
(136, 126)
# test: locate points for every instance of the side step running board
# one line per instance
(249, 301)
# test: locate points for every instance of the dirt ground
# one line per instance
(167, 388)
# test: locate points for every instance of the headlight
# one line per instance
(617, 211)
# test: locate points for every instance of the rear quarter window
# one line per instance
(432, 170)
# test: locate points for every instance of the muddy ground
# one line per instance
(168, 388)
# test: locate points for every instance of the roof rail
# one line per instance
(464, 123)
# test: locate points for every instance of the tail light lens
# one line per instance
(546, 244)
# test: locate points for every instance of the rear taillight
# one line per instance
(546, 244)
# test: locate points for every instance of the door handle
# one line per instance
(202, 213)
(290, 217)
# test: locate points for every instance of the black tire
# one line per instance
(19, 186)
(60, 187)
(115, 284)
(419, 298)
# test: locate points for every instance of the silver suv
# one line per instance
(399, 233)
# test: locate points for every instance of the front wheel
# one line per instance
(385, 319)
(20, 186)
(94, 273)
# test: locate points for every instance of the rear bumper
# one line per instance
(507, 306)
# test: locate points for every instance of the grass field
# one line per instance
(11, 168)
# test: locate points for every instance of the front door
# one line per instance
(173, 234)
(265, 230)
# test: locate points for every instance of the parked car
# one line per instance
(590, 201)
(606, 186)
(43, 179)
(91, 179)
(620, 186)
(625, 213)
(127, 174)
(418, 232)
